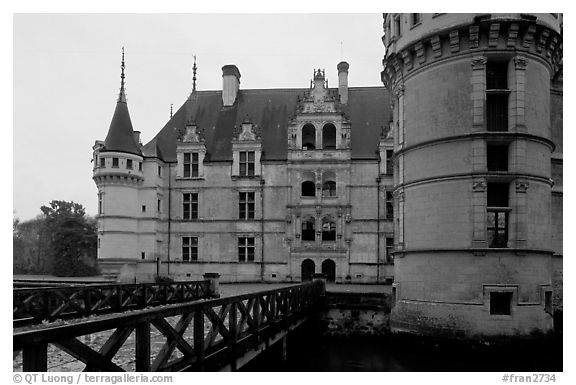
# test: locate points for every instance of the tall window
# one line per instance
(329, 184)
(389, 163)
(308, 137)
(389, 205)
(246, 163)
(497, 96)
(308, 229)
(190, 206)
(328, 229)
(497, 157)
(329, 137)
(397, 29)
(246, 205)
(308, 185)
(139, 166)
(102, 162)
(129, 164)
(497, 214)
(100, 202)
(190, 164)
(389, 250)
(114, 162)
(415, 18)
(246, 249)
(189, 248)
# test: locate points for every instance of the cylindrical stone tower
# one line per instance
(471, 119)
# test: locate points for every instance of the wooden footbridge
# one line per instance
(160, 327)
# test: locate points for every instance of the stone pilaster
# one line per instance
(478, 91)
(479, 213)
(518, 97)
(520, 214)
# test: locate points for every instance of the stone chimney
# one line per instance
(343, 81)
(137, 137)
(230, 84)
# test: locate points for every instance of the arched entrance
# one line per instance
(329, 268)
(308, 268)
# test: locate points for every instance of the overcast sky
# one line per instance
(67, 75)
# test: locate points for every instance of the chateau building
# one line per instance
(267, 184)
(447, 181)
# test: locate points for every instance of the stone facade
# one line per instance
(267, 198)
(477, 233)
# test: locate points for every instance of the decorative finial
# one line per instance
(194, 68)
(122, 95)
(170, 110)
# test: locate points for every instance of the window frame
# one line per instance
(189, 249)
(330, 234)
(246, 163)
(190, 206)
(115, 162)
(495, 306)
(246, 249)
(305, 233)
(102, 162)
(246, 205)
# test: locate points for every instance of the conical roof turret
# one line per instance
(121, 134)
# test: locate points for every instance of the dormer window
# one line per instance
(102, 162)
(246, 150)
(115, 162)
(246, 163)
(308, 137)
(329, 137)
(191, 165)
(129, 164)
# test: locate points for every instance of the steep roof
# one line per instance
(121, 134)
(271, 110)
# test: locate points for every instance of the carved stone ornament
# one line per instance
(479, 186)
(512, 35)
(248, 132)
(407, 58)
(478, 63)
(454, 41)
(348, 218)
(419, 47)
(520, 62)
(288, 218)
(522, 186)
(436, 46)
(493, 34)
(474, 36)
(318, 210)
(191, 134)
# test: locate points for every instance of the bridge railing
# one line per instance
(204, 335)
(34, 305)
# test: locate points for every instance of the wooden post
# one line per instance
(35, 358)
(285, 348)
(199, 339)
(143, 347)
(232, 327)
(256, 318)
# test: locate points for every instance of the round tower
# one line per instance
(472, 150)
(118, 174)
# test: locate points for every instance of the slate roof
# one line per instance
(271, 110)
(121, 134)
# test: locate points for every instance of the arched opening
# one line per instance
(308, 269)
(308, 185)
(329, 137)
(329, 268)
(308, 229)
(329, 184)
(308, 189)
(308, 137)
(328, 229)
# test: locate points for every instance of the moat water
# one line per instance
(308, 351)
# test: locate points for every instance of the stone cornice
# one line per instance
(487, 35)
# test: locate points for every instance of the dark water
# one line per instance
(309, 351)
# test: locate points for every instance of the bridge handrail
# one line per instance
(261, 314)
(34, 305)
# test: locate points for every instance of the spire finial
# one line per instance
(194, 68)
(122, 96)
(170, 110)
